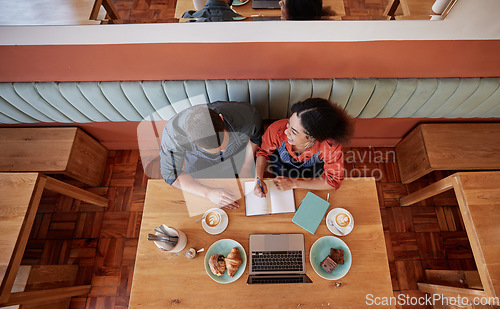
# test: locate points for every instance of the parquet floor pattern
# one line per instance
(162, 11)
(428, 235)
(360, 8)
(146, 11)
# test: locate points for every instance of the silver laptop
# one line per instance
(265, 4)
(277, 258)
(263, 18)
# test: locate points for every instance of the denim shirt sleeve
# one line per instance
(171, 157)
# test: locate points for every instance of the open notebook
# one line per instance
(275, 202)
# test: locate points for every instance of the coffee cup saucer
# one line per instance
(219, 228)
(331, 216)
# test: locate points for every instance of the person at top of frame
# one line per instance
(303, 9)
(214, 10)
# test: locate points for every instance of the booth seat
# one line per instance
(131, 114)
(86, 102)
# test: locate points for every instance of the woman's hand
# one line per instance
(257, 191)
(223, 198)
(284, 183)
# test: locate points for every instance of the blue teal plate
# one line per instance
(321, 249)
(223, 247)
(240, 17)
(238, 2)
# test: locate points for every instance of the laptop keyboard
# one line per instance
(277, 261)
(276, 280)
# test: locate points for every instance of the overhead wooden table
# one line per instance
(246, 9)
(478, 195)
(162, 279)
(20, 195)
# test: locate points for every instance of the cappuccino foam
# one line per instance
(343, 219)
(213, 219)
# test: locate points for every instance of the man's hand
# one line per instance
(223, 198)
(284, 183)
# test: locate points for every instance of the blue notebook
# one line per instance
(310, 213)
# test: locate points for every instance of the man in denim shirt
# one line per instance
(217, 140)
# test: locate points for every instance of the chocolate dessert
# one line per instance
(337, 255)
(328, 264)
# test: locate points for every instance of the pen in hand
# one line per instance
(260, 185)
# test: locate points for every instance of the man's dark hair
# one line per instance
(201, 123)
(324, 120)
(303, 9)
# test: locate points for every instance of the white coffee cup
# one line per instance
(343, 221)
(214, 221)
(178, 246)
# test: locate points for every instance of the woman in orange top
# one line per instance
(304, 151)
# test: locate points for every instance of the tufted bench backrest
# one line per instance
(84, 102)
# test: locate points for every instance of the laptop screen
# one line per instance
(277, 254)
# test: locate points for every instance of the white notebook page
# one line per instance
(280, 201)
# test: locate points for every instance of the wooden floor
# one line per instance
(103, 243)
(162, 11)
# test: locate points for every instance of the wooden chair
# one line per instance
(20, 195)
(391, 8)
(448, 146)
(57, 150)
(111, 11)
(452, 284)
(46, 286)
(365, 17)
(477, 194)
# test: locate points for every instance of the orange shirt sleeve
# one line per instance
(333, 158)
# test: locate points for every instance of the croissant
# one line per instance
(217, 264)
(233, 261)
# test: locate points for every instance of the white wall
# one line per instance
(468, 20)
